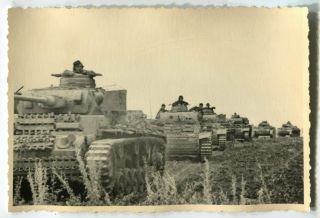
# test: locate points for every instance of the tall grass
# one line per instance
(73, 199)
(263, 193)
(161, 187)
(38, 184)
(91, 175)
(17, 188)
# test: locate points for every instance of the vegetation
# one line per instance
(262, 172)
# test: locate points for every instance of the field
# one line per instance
(258, 172)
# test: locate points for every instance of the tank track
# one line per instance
(99, 155)
(121, 179)
(222, 142)
(205, 148)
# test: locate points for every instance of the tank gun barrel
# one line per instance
(47, 101)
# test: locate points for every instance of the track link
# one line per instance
(222, 142)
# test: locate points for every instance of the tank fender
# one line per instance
(203, 135)
(221, 131)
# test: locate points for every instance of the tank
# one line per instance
(188, 134)
(184, 136)
(212, 122)
(288, 130)
(63, 125)
(263, 130)
(239, 128)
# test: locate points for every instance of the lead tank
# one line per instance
(63, 125)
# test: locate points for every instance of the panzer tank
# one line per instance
(288, 130)
(263, 130)
(210, 121)
(187, 135)
(239, 128)
(184, 136)
(75, 120)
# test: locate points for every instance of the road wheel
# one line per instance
(128, 182)
(142, 181)
(134, 180)
(119, 187)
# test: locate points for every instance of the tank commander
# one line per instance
(77, 69)
(208, 109)
(180, 105)
(162, 109)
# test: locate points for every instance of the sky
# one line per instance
(249, 61)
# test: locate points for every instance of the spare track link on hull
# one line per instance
(66, 165)
(122, 179)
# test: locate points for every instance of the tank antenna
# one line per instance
(150, 108)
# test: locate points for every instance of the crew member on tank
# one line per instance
(235, 115)
(198, 109)
(162, 109)
(78, 69)
(208, 109)
(180, 105)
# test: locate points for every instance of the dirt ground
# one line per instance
(271, 169)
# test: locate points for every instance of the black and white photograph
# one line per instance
(200, 109)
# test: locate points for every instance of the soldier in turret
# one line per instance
(235, 115)
(197, 108)
(162, 109)
(77, 69)
(180, 105)
(208, 109)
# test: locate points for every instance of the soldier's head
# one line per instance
(200, 105)
(77, 67)
(180, 98)
(163, 106)
(208, 105)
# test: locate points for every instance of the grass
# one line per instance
(263, 173)
(38, 184)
